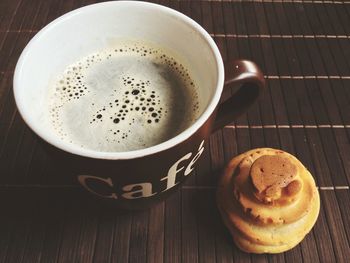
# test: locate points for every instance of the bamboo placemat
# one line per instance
(303, 48)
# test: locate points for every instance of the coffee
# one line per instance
(131, 97)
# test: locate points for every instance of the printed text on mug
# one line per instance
(143, 189)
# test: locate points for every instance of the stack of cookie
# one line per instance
(268, 200)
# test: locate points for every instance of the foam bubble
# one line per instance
(128, 98)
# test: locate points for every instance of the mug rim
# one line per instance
(181, 137)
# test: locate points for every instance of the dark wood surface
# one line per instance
(303, 48)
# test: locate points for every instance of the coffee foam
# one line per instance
(132, 97)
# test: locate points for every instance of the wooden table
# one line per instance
(303, 48)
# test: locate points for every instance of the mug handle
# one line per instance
(246, 76)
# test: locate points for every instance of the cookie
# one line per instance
(268, 200)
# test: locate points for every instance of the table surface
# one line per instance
(303, 48)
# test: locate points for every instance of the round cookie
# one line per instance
(268, 200)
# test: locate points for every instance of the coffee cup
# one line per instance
(143, 175)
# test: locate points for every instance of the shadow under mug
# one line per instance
(140, 178)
